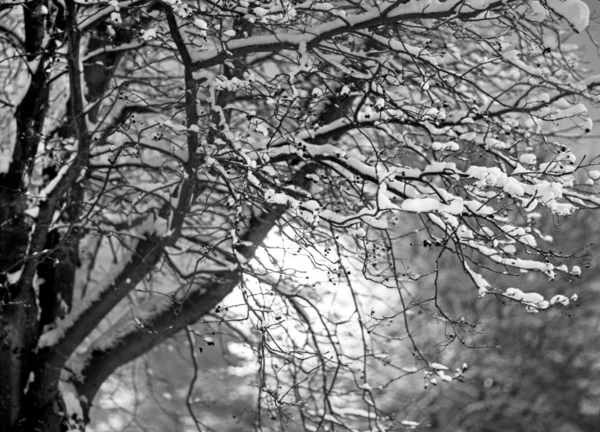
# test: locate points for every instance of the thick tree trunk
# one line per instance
(19, 320)
(29, 380)
(38, 266)
(18, 306)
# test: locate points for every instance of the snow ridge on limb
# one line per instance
(314, 35)
(106, 294)
(575, 12)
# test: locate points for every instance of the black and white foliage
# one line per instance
(159, 156)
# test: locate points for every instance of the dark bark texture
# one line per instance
(39, 262)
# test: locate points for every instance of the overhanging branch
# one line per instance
(170, 320)
(313, 36)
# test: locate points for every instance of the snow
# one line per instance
(570, 111)
(419, 198)
(559, 299)
(576, 12)
(260, 11)
(511, 54)
(529, 159)
(428, 205)
(72, 405)
(590, 81)
(529, 240)
(316, 92)
(13, 278)
(532, 298)
(479, 209)
(440, 167)
(115, 17)
(487, 176)
(519, 263)
(444, 377)
(175, 126)
(556, 168)
(464, 233)
(365, 386)
(200, 23)
(44, 193)
(537, 12)
(113, 218)
(468, 136)
(543, 98)
(567, 156)
(448, 146)
(33, 212)
(509, 249)
(6, 154)
(514, 293)
(278, 198)
(30, 381)
(483, 285)
(179, 7)
(594, 174)
(148, 34)
(53, 336)
(513, 230)
(437, 366)
(294, 38)
(356, 412)
(383, 202)
(513, 187)
(534, 301)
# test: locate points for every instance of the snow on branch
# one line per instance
(352, 132)
(71, 330)
(312, 36)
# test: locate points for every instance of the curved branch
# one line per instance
(78, 325)
(313, 36)
(167, 321)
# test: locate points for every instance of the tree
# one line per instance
(538, 371)
(160, 155)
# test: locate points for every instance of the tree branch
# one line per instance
(176, 316)
(313, 36)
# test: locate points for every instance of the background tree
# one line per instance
(152, 147)
(538, 372)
